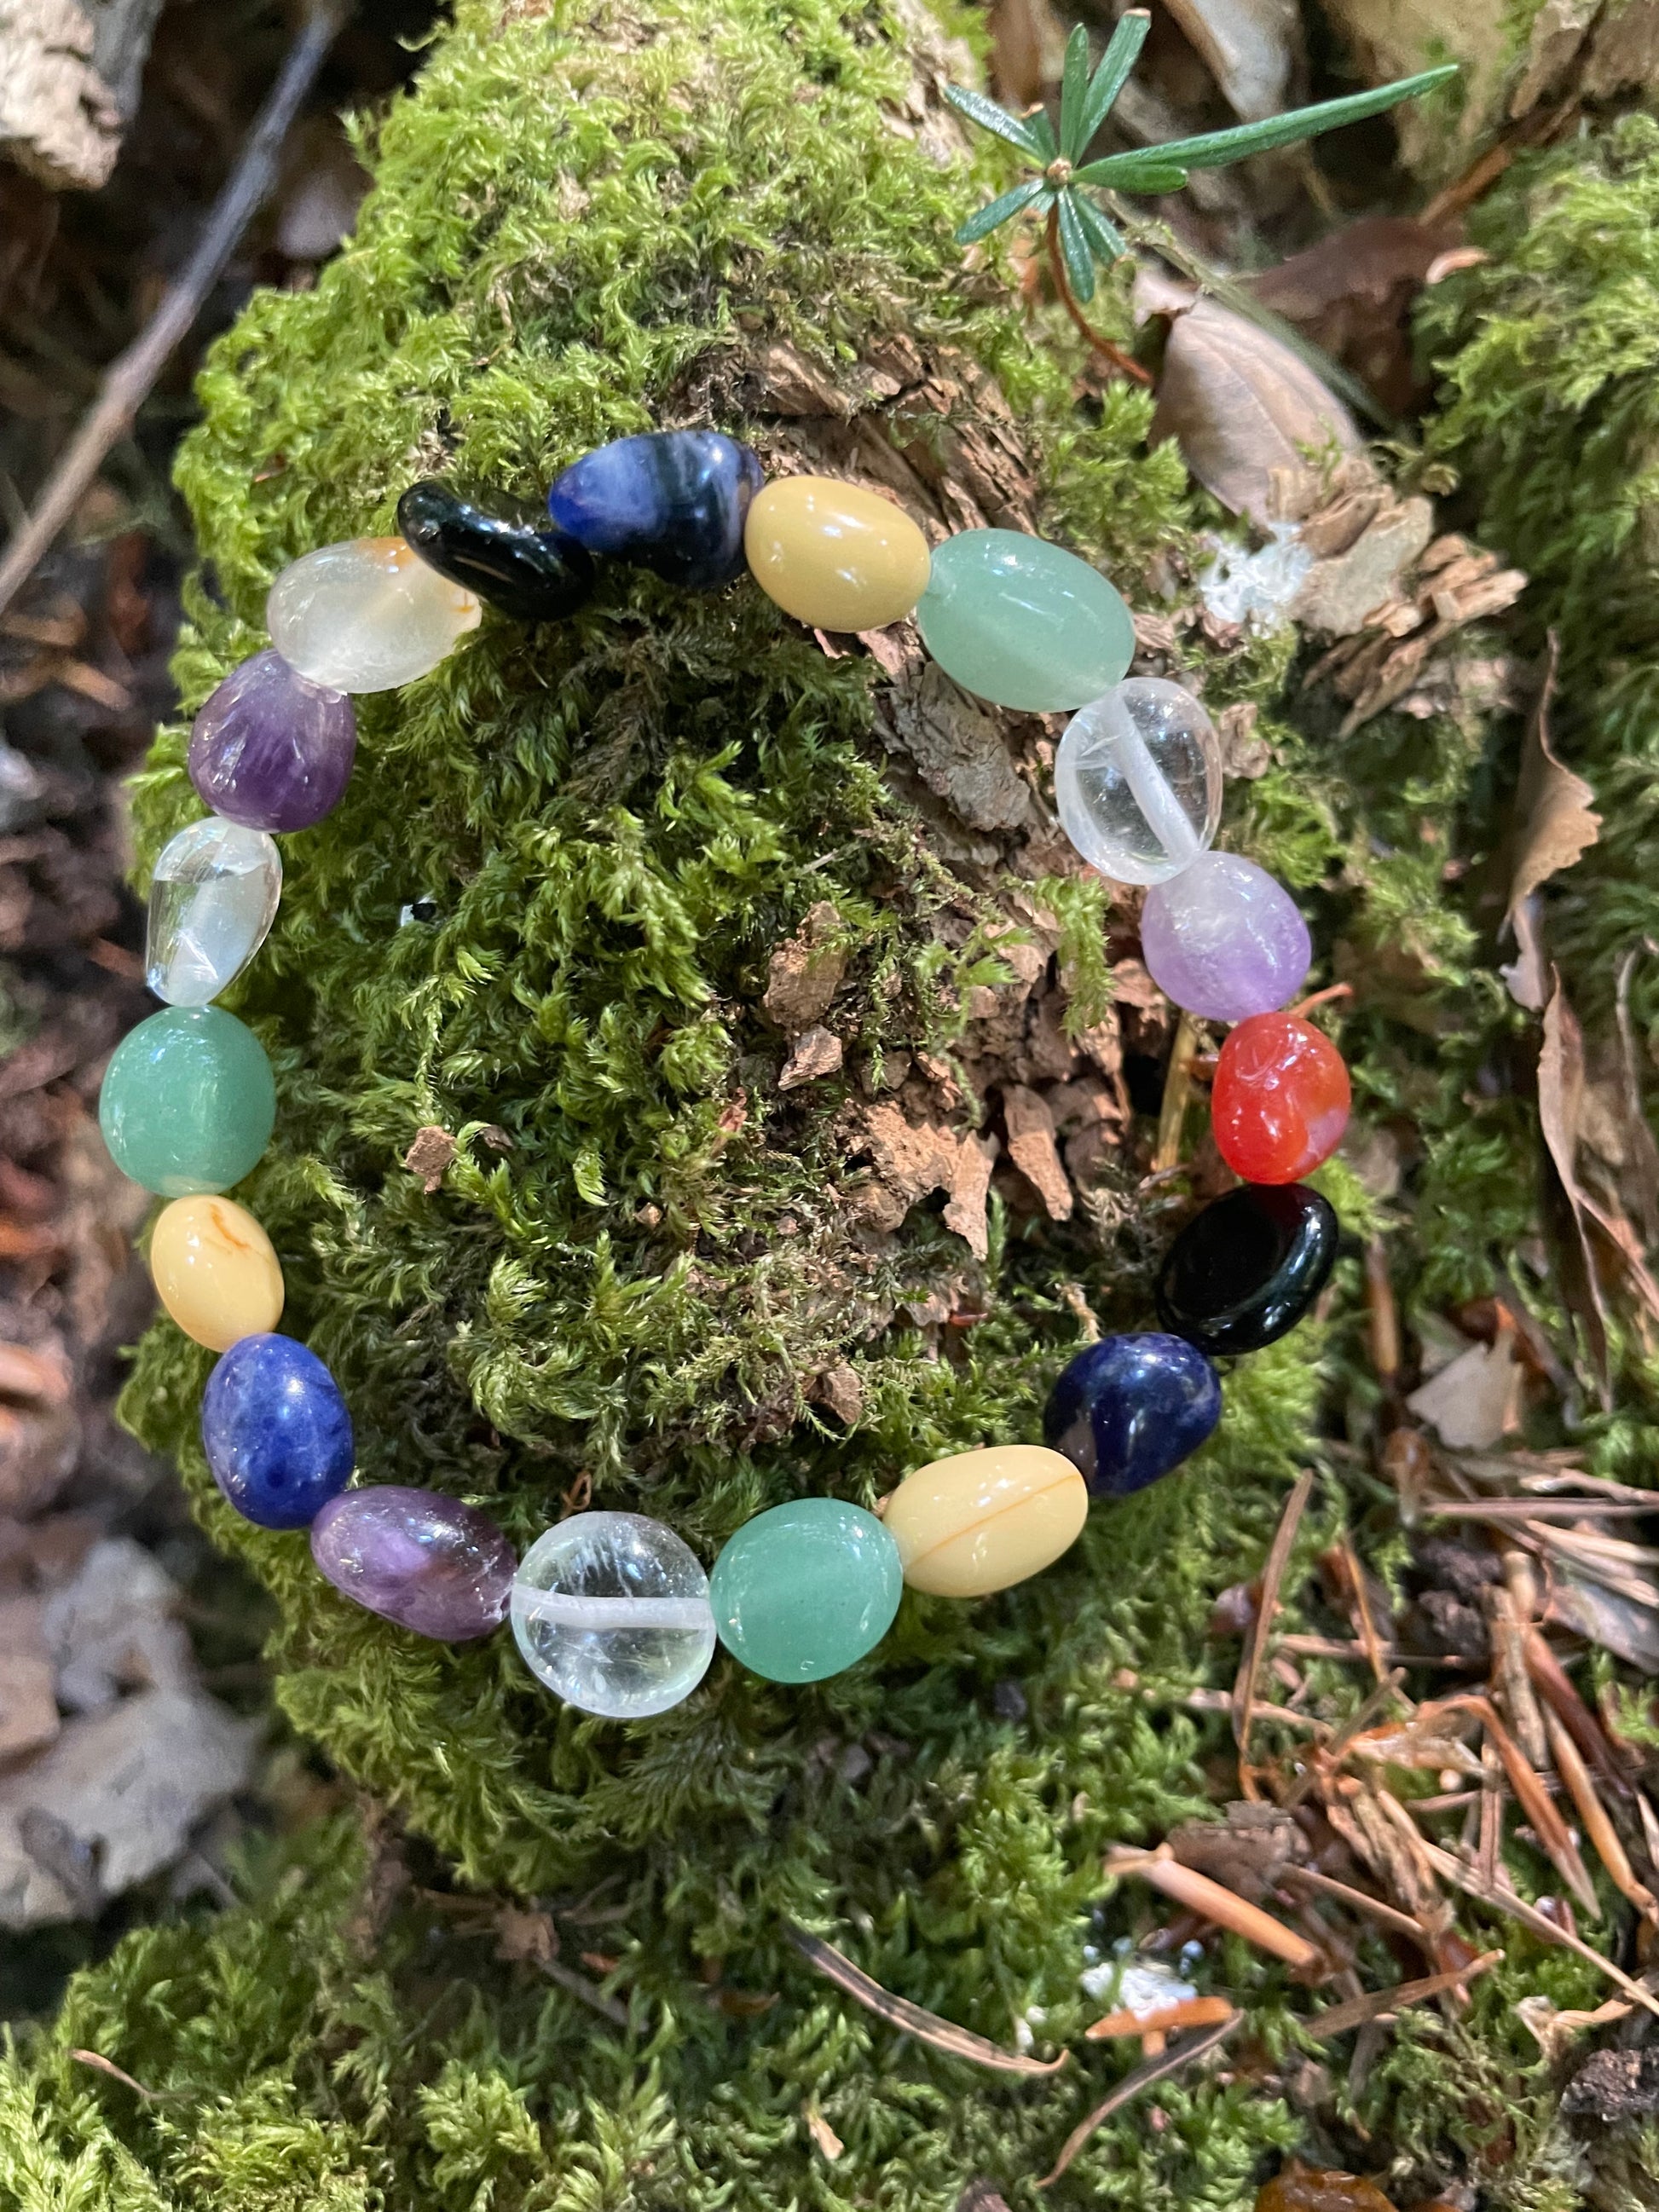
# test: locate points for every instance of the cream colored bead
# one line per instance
(834, 556)
(215, 1271)
(984, 1520)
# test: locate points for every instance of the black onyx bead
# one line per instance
(1248, 1268)
(673, 500)
(533, 575)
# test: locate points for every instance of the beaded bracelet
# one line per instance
(613, 1611)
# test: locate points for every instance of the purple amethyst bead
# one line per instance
(1224, 941)
(271, 749)
(426, 1561)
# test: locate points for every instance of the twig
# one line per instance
(1548, 1825)
(1504, 1900)
(1555, 1686)
(1356, 1723)
(1359, 1900)
(1381, 1315)
(1598, 1824)
(1177, 1090)
(1507, 1630)
(580, 1986)
(1339, 2020)
(911, 2019)
(1102, 345)
(1272, 1576)
(1199, 1893)
(96, 2059)
(130, 376)
(1363, 1621)
(1154, 2069)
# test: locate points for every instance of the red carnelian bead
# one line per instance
(1281, 1101)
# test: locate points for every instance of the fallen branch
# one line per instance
(1338, 2019)
(1199, 1894)
(1273, 1575)
(1153, 2070)
(132, 374)
(1505, 1900)
(900, 2013)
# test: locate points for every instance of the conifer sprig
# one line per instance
(1080, 237)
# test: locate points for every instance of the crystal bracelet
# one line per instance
(612, 1610)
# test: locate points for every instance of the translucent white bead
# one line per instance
(212, 901)
(367, 614)
(1138, 781)
(612, 1613)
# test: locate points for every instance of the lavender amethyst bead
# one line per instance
(428, 1562)
(1224, 941)
(271, 749)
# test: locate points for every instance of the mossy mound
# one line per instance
(649, 1274)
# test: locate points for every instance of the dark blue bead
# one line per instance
(275, 1430)
(674, 501)
(1130, 1408)
(532, 575)
(1248, 1268)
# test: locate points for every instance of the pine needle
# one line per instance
(1273, 1575)
(899, 2012)
(1153, 2070)
(1339, 2020)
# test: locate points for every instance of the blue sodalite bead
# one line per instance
(275, 1430)
(673, 500)
(1129, 1408)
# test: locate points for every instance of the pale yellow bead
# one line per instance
(834, 556)
(215, 1271)
(983, 1520)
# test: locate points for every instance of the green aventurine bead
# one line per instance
(188, 1103)
(805, 1590)
(1023, 623)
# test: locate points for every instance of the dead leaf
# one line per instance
(1250, 47)
(913, 2019)
(430, 1155)
(1560, 1099)
(1254, 424)
(805, 974)
(1028, 50)
(817, 1052)
(1620, 1625)
(1351, 295)
(1553, 827)
(1476, 1398)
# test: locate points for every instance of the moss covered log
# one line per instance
(588, 887)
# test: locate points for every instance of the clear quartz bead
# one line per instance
(212, 901)
(612, 1613)
(367, 614)
(1138, 781)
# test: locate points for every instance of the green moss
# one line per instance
(586, 222)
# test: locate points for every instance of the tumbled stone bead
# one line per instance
(188, 1102)
(1280, 1098)
(671, 500)
(612, 1613)
(1248, 1268)
(271, 750)
(835, 556)
(367, 614)
(1023, 623)
(803, 1590)
(1223, 939)
(431, 1563)
(532, 575)
(276, 1431)
(983, 1520)
(1129, 1408)
(215, 1271)
(1138, 781)
(212, 901)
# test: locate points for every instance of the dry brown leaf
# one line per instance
(1254, 422)
(1028, 50)
(1476, 1398)
(1250, 47)
(1353, 293)
(430, 1155)
(1554, 826)
(1560, 1103)
(1630, 1631)
(913, 2019)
